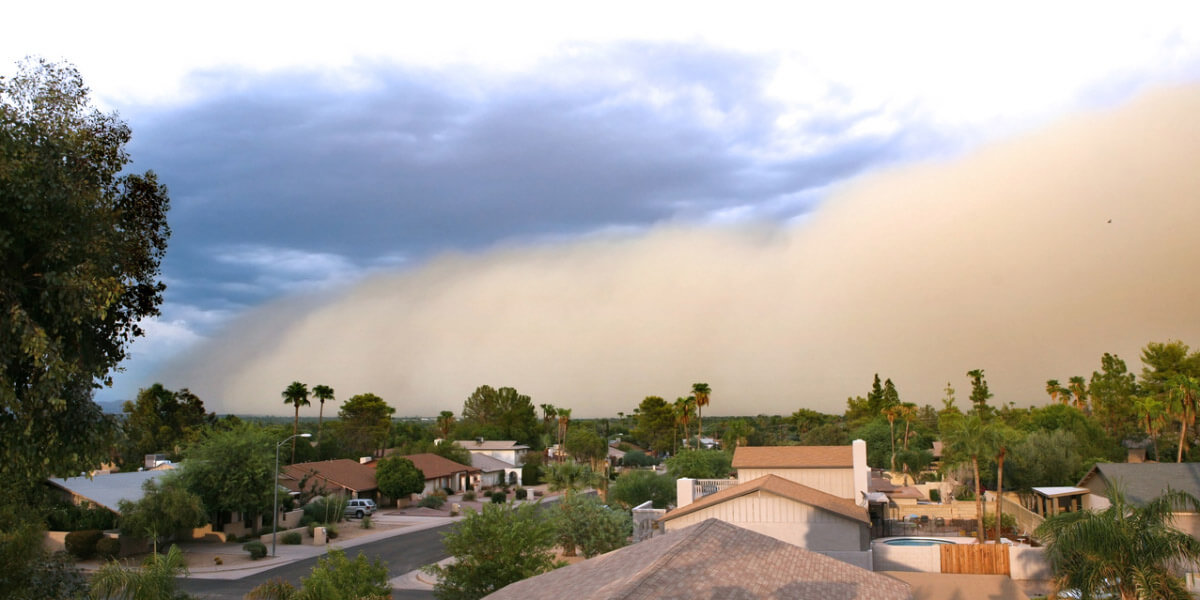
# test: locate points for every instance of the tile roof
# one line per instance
(783, 488)
(711, 559)
(488, 464)
(434, 466)
(491, 445)
(1143, 482)
(109, 490)
(792, 457)
(342, 472)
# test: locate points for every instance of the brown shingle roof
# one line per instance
(783, 488)
(712, 559)
(341, 472)
(792, 457)
(434, 466)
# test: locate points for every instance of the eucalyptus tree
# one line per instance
(296, 394)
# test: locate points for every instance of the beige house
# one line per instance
(811, 496)
(508, 451)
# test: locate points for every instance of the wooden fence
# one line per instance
(975, 559)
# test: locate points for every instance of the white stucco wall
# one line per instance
(787, 520)
(839, 482)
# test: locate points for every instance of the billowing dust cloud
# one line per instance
(1028, 259)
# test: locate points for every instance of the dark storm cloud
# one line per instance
(400, 164)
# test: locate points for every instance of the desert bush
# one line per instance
(291, 538)
(366, 522)
(331, 531)
(468, 496)
(935, 495)
(82, 544)
(431, 501)
(69, 517)
(256, 549)
(108, 547)
(499, 497)
(522, 493)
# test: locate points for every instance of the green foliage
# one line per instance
(989, 523)
(326, 509)
(398, 477)
(637, 458)
(366, 522)
(291, 538)
(700, 464)
(82, 544)
(499, 497)
(582, 521)
(510, 414)
(166, 506)
(570, 477)
(432, 501)
(1044, 458)
(584, 445)
(233, 470)
(521, 493)
(635, 487)
(156, 580)
(338, 578)
(108, 548)
(160, 420)
(365, 420)
(877, 434)
(935, 495)
(71, 517)
(1092, 443)
(81, 244)
(531, 471)
(492, 548)
(913, 461)
(655, 425)
(468, 496)
(831, 434)
(1124, 550)
(256, 549)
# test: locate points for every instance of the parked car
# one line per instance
(360, 507)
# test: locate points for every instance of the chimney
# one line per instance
(684, 490)
(862, 473)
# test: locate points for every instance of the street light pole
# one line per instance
(275, 503)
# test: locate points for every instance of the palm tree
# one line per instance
(891, 413)
(1150, 413)
(684, 408)
(1053, 388)
(1183, 393)
(156, 579)
(1078, 387)
(701, 392)
(1125, 548)
(296, 394)
(322, 393)
(966, 439)
(564, 420)
(549, 415)
(445, 422)
(908, 412)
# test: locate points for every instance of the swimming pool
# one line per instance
(916, 541)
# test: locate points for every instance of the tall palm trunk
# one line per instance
(1000, 491)
(295, 431)
(320, 425)
(978, 498)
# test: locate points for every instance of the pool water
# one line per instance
(916, 542)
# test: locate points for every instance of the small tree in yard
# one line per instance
(165, 507)
(493, 548)
(398, 477)
(635, 487)
(584, 522)
(334, 578)
(156, 579)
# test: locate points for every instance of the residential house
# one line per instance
(495, 472)
(107, 490)
(443, 473)
(342, 476)
(506, 450)
(711, 559)
(1141, 483)
(810, 496)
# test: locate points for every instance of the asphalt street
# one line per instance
(402, 553)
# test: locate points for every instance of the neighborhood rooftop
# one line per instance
(342, 472)
(712, 559)
(108, 490)
(491, 445)
(792, 457)
(1143, 482)
(783, 488)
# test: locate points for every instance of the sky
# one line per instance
(598, 203)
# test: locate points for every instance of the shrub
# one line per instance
(326, 509)
(468, 496)
(366, 522)
(431, 501)
(447, 491)
(108, 547)
(311, 528)
(291, 538)
(635, 487)
(499, 497)
(935, 495)
(69, 517)
(522, 493)
(256, 549)
(82, 544)
(331, 531)
(637, 458)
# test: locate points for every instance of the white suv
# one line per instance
(360, 508)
